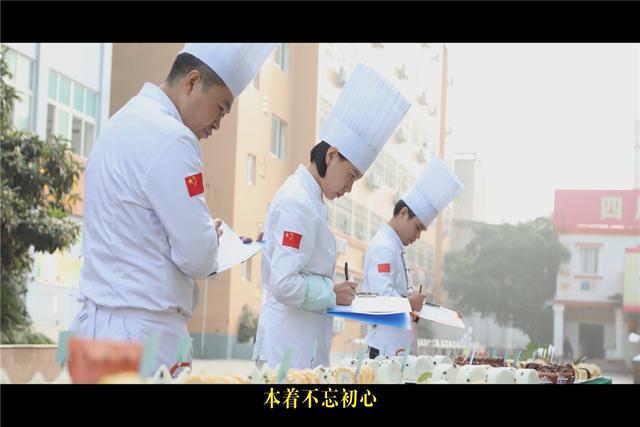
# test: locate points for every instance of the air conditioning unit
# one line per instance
(421, 155)
(402, 72)
(341, 77)
(374, 180)
(341, 245)
(401, 134)
(266, 104)
(422, 98)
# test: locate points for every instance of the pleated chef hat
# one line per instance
(236, 63)
(367, 112)
(434, 189)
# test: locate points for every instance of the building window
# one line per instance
(323, 112)
(430, 257)
(412, 253)
(278, 137)
(71, 113)
(251, 169)
(344, 206)
(246, 270)
(390, 172)
(338, 325)
(282, 56)
(404, 180)
(328, 50)
(330, 213)
(21, 69)
(374, 224)
(360, 222)
(588, 260)
(585, 286)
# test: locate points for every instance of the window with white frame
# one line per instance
(430, 257)
(281, 56)
(589, 260)
(21, 69)
(328, 50)
(360, 214)
(278, 137)
(344, 207)
(330, 213)
(404, 178)
(416, 133)
(390, 171)
(72, 110)
(323, 112)
(246, 270)
(420, 253)
(374, 224)
(251, 169)
(411, 251)
(378, 166)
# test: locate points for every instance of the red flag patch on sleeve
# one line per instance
(384, 268)
(195, 185)
(291, 239)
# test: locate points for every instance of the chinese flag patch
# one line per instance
(291, 239)
(195, 185)
(384, 268)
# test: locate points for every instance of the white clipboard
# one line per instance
(232, 251)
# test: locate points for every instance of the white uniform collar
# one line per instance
(387, 229)
(154, 92)
(309, 183)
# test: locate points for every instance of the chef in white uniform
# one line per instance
(299, 257)
(386, 271)
(147, 231)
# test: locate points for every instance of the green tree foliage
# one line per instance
(248, 324)
(37, 180)
(509, 271)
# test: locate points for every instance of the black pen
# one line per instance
(346, 271)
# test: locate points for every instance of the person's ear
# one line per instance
(332, 153)
(190, 81)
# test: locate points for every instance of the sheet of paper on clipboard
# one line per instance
(379, 310)
(441, 315)
(376, 305)
(232, 251)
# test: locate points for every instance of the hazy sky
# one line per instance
(543, 117)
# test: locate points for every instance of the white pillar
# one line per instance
(558, 328)
(619, 331)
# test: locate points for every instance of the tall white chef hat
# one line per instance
(236, 63)
(366, 114)
(434, 189)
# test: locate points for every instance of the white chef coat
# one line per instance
(385, 273)
(298, 207)
(146, 234)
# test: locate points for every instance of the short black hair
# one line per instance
(398, 207)
(185, 62)
(318, 154)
